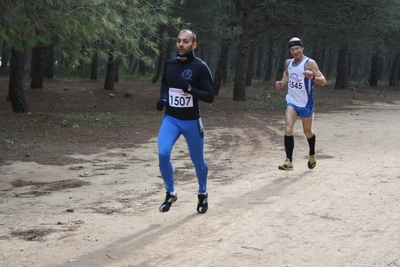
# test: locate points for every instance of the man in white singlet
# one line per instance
(301, 74)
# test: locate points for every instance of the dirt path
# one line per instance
(343, 213)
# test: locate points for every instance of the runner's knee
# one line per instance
(164, 156)
(288, 131)
(308, 133)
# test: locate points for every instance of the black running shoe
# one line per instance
(169, 199)
(312, 161)
(202, 205)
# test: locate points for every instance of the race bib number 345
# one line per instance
(179, 99)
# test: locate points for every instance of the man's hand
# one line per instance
(279, 84)
(182, 83)
(161, 103)
(309, 74)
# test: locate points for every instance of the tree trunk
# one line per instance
(142, 67)
(374, 70)
(398, 76)
(37, 67)
(110, 73)
(116, 68)
(270, 59)
(355, 66)
(282, 62)
(222, 64)
(318, 54)
(4, 57)
(64, 62)
(260, 60)
(342, 75)
(225, 75)
(330, 63)
(160, 62)
(239, 90)
(251, 67)
(132, 64)
(49, 62)
(322, 58)
(94, 66)
(381, 66)
(315, 50)
(15, 86)
(393, 71)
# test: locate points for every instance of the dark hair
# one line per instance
(192, 32)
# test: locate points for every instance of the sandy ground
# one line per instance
(345, 212)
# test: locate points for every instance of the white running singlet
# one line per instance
(300, 88)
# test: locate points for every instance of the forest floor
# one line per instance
(80, 185)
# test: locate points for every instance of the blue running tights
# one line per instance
(171, 129)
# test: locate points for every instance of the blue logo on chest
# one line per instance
(187, 74)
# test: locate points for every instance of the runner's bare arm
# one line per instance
(313, 71)
(285, 77)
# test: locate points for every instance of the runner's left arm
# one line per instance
(206, 92)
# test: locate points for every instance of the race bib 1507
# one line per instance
(179, 99)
